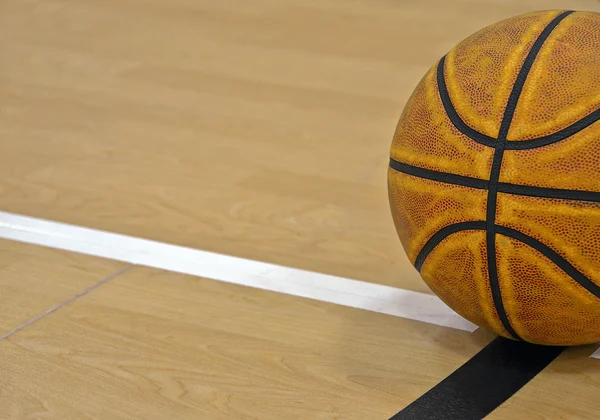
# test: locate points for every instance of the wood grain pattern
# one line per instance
(158, 345)
(34, 279)
(255, 128)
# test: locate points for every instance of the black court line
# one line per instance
(483, 383)
(503, 187)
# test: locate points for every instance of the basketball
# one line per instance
(494, 178)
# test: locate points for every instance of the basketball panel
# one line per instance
(563, 85)
(421, 207)
(572, 164)
(482, 69)
(457, 271)
(425, 137)
(543, 304)
(570, 228)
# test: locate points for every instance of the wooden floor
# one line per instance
(252, 128)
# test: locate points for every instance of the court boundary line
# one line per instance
(229, 269)
(372, 297)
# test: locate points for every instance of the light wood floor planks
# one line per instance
(34, 279)
(255, 128)
(154, 345)
(158, 345)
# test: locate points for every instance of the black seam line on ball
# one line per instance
(445, 177)
(553, 256)
(503, 187)
(509, 113)
(453, 114)
(555, 137)
(486, 140)
(543, 249)
(442, 234)
(541, 192)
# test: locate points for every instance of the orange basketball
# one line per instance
(494, 179)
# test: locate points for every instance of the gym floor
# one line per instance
(253, 129)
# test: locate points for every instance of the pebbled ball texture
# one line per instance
(494, 178)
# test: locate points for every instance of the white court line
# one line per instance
(356, 294)
(322, 287)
